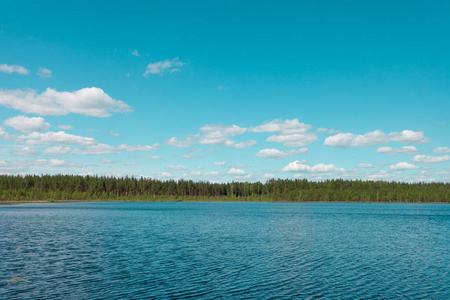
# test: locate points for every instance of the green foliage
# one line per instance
(71, 187)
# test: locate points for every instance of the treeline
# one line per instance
(74, 187)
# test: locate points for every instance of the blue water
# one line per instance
(231, 250)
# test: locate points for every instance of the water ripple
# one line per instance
(224, 250)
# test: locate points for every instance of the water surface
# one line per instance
(233, 250)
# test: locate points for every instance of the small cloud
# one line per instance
(268, 176)
(173, 167)
(25, 124)
(58, 150)
(132, 164)
(277, 154)
(135, 53)
(164, 67)
(14, 69)
(108, 161)
(219, 163)
(65, 127)
(234, 171)
(44, 73)
(114, 133)
(221, 87)
(151, 156)
(138, 148)
(442, 123)
(411, 150)
(403, 166)
(441, 150)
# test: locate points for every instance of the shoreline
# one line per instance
(15, 202)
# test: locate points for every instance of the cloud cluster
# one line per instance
(292, 133)
(92, 102)
(302, 166)
(376, 137)
(213, 134)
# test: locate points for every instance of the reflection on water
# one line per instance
(237, 250)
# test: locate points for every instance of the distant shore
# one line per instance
(76, 188)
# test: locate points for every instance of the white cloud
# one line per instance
(411, 150)
(431, 159)
(218, 135)
(249, 143)
(330, 131)
(138, 148)
(44, 73)
(97, 149)
(25, 124)
(275, 153)
(58, 150)
(131, 163)
(14, 69)
(165, 66)
(268, 176)
(376, 137)
(220, 163)
(179, 143)
(442, 150)
(164, 174)
(381, 175)
(213, 134)
(294, 140)
(65, 127)
(365, 166)
(297, 166)
(174, 167)
(192, 174)
(403, 166)
(60, 138)
(292, 132)
(135, 53)
(63, 163)
(88, 101)
(286, 127)
(25, 151)
(234, 171)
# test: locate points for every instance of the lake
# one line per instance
(209, 250)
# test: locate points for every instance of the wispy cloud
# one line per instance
(10, 69)
(164, 67)
(44, 73)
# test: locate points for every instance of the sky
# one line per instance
(226, 90)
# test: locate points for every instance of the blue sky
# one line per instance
(226, 90)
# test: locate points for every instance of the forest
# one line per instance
(50, 188)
